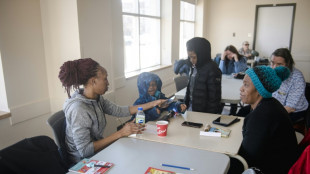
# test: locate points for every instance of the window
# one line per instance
(187, 25)
(3, 101)
(141, 27)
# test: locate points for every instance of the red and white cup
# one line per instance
(162, 127)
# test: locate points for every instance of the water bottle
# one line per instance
(140, 117)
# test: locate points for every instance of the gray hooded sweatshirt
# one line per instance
(86, 122)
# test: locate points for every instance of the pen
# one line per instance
(179, 167)
(98, 165)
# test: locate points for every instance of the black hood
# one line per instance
(202, 48)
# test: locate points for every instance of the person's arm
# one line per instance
(254, 139)
(240, 65)
(295, 93)
(222, 66)
(146, 106)
(128, 129)
(289, 109)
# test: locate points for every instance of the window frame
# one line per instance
(139, 16)
(187, 21)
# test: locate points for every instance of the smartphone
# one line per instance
(192, 124)
(168, 101)
(226, 120)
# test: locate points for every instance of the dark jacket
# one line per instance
(207, 87)
(269, 140)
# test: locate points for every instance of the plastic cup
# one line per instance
(162, 127)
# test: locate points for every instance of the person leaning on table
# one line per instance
(232, 62)
(85, 110)
(269, 140)
(291, 93)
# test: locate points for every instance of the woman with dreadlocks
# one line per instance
(85, 110)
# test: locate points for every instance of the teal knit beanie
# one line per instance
(267, 80)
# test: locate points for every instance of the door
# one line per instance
(274, 26)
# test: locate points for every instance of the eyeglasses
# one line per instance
(247, 44)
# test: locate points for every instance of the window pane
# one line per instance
(131, 39)
(150, 7)
(187, 31)
(187, 11)
(149, 42)
(130, 6)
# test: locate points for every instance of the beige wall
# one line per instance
(22, 54)
(225, 17)
(61, 43)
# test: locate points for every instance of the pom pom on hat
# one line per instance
(282, 72)
(267, 80)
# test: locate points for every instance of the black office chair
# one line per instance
(33, 155)
(180, 82)
(303, 124)
(58, 123)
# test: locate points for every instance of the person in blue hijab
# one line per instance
(149, 86)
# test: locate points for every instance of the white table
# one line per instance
(190, 137)
(134, 156)
(230, 90)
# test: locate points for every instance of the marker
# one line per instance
(179, 167)
(98, 165)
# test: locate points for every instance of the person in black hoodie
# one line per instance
(204, 87)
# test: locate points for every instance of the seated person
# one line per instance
(203, 92)
(245, 50)
(232, 62)
(291, 93)
(149, 86)
(85, 110)
(269, 141)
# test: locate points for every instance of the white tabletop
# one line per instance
(230, 90)
(190, 137)
(134, 156)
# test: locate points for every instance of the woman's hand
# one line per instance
(158, 102)
(164, 104)
(131, 128)
(183, 107)
(223, 55)
(235, 56)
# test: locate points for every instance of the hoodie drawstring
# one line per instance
(96, 114)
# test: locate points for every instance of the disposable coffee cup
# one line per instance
(162, 127)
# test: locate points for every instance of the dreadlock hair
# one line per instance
(74, 73)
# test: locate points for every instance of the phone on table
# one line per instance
(224, 120)
(192, 124)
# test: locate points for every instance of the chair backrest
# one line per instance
(58, 124)
(32, 155)
(180, 82)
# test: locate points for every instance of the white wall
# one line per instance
(61, 43)
(22, 54)
(24, 70)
